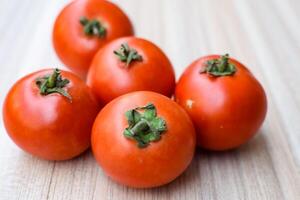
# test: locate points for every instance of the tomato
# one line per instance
(130, 64)
(83, 27)
(143, 139)
(225, 101)
(50, 114)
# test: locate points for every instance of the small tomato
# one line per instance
(130, 64)
(50, 114)
(83, 27)
(143, 139)
(225, 101)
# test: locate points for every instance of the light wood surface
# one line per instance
(265, 35)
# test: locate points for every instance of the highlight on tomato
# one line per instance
(225, 101)
(83, 27)
(130, 64)
(50, 113)
(143, 139)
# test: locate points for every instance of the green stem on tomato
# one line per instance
(127, 54)
(53, 83)
(144, 127)
(219, 67)
(92, 27)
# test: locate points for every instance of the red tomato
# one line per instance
(83, 27)
(50, 117)
(225, 101)
(143, 139)
(130, 64)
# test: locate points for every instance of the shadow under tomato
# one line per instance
(86, 153)
(257, 141)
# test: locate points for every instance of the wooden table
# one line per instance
(263, 34)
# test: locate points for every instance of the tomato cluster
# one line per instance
(121, 105)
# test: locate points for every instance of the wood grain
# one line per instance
(263, 34)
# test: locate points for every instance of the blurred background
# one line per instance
(264, 35)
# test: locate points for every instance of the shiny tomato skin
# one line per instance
(73, 46)
(157, 164)
(50, 127)
(227, 111)
(109, 77)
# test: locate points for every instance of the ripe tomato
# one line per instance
(130, 64)
(50, 114)
(83, 27)
(225, 101)
(143, 139)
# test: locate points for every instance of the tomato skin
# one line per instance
(109, 77)
(73, 47)
(227, 111)
(157, 164)
(50, 127)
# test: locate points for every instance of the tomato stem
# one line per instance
(53, 83)
(127, 54)
(219, 67)
(52, 78)
(144, 127)
(92, 27)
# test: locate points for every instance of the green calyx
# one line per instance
(219, 67)
(53, 83)
(127, 54)
(144, 127)
(92, 27)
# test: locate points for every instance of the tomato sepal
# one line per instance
(219, 67)
(127, 54)
(144, 127)
(53, 83)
